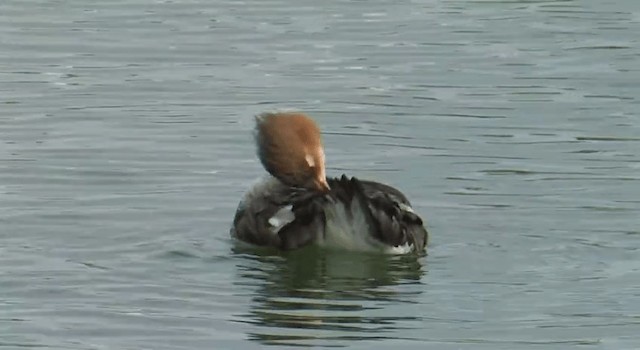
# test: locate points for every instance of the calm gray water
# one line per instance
(125, 145)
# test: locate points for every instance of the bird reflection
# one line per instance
(315, 296)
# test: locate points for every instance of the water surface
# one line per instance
(125, 146)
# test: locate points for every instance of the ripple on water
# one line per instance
(327, 298)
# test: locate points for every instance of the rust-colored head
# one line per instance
(290, 149)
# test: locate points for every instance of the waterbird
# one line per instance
(296, 204)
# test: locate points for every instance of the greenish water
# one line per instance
(125, 146)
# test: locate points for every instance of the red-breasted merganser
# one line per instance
(298, 205)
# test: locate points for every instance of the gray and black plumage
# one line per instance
(299, 205)
(305, 216)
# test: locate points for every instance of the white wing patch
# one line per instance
(352, 232)
(406, 208)
(281, 218)
(348, 231)
(401, 249)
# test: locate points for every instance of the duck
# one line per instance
(296, 204)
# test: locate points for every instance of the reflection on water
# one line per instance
(314, 295)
